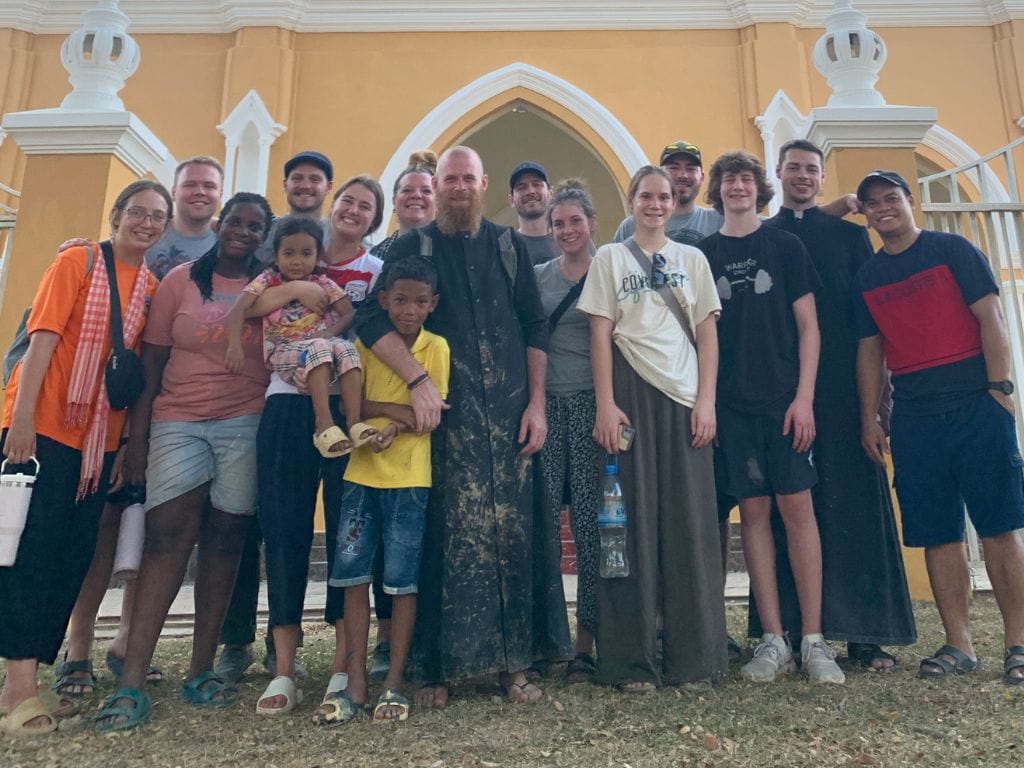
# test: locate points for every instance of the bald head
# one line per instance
(459, 183)
(463, 154)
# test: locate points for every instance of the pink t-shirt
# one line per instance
(196, 384)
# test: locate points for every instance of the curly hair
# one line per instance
(737, 162)
(202, 268)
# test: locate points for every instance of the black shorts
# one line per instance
(757, 459)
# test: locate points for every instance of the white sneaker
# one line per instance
(820, 661)
(772, 658)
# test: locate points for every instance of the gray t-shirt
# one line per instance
(175, 248)
(265, 253)
(569, 345)
(542, 248)
(686, 228)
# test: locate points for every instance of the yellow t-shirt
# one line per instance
(406, 463)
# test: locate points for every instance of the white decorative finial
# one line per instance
(99, 56)
(850, 56)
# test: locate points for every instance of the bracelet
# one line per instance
(418, 380)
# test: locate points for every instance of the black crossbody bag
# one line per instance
(123, 373)
(565, 303)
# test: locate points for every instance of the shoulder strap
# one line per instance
(116, 332)
(509, 259)
(565, 303)
(664, 291)
(426, 244)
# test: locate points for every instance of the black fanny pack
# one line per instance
(123, 373)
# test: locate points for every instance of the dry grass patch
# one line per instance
(874, 720)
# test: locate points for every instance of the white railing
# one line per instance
(995, 224)
(8, 216)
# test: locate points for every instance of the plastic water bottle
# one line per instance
(611, 525)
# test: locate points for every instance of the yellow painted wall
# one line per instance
(357, 96)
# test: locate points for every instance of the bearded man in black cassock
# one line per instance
(490, 592)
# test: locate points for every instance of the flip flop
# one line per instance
(331, 436)
(866, 654)
(339, 708)
(358, 434)
(203, 691)
(15, 724)
(1014, 660)
(135, 715)
(963, 664)
(637, 687)
(391, 698)
(279, 686)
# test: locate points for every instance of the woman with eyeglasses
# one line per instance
(654, 353)
(57, 411)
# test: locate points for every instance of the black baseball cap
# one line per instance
(889, 177)
(681, 147)
(527, 166)
(311, 158)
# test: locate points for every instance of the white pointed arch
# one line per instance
(249, 132)
(515, 75)
(780, 122)
(959, 153)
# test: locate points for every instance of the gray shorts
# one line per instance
(185, 454)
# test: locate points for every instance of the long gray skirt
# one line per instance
(672, 542)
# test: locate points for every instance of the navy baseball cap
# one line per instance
(527, 167)
(891, 178)
(310, 157)
(681, 147)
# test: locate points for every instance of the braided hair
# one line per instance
(203, 267)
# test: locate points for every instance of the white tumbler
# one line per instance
(15, 495)
(130, 537)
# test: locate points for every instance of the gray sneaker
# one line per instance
(233, 661)
(819, 661)
(772, 658)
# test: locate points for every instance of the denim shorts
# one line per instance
(967, 456)
(185, 454)
(369, 516)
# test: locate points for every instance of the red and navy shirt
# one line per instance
(919, 302)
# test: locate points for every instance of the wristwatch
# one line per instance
(1005, 386)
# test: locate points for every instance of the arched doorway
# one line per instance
(520, 131)
(521, 112)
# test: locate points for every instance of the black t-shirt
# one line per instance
(919, 302)
(758, 277)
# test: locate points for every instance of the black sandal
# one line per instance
(963, 664)
(581, 669)
(1014, 660)
(66, 679)
(866, 654)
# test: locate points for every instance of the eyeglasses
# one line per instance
(141, 214)
(658, 271)
(691, 149)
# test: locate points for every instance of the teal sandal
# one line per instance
(209, 691)
(135, 714)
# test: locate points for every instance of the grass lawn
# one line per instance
(874, 720)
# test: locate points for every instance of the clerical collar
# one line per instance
(789, 213)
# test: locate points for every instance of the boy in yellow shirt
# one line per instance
(385, 497)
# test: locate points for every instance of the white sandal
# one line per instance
(337, 683)
(280, 686)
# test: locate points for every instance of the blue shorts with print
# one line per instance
(967, 456)
(395, 517)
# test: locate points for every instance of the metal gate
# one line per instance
(995, 225)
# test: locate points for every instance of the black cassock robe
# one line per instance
(490, 591)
